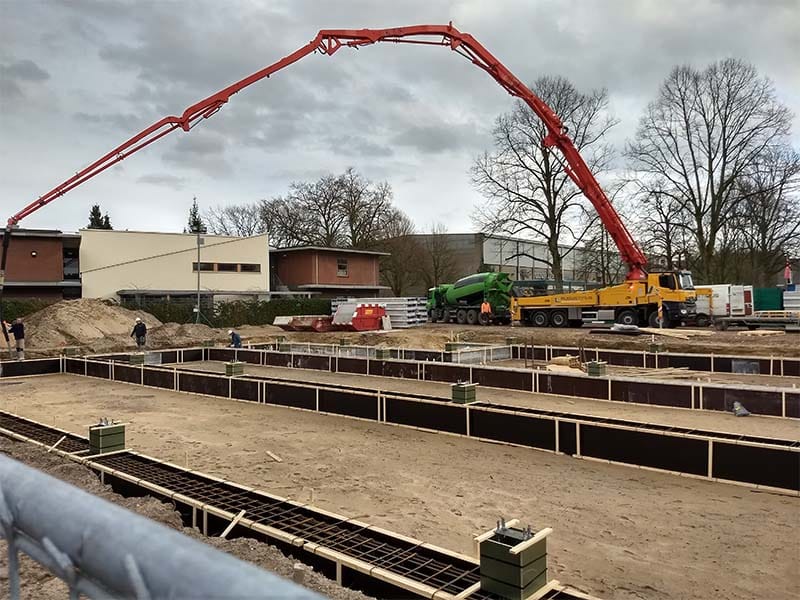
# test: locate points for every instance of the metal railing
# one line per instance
(104, 551)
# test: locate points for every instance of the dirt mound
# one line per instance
(81, 322)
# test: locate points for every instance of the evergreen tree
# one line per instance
(98, 220)
(196, 224)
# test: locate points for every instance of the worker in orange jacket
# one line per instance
(486, 312)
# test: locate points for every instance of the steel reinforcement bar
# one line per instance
(342, 548)
(736, 458)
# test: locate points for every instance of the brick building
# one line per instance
(42, 264)
(327, 272)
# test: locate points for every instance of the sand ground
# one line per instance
(620, 532)
(679, 417)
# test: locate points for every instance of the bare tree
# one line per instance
(437, 265)
(367, 208)
(698, 137)
(768, 220)
(401, 269)
(346, 211)
(243, 220)
(526, 184)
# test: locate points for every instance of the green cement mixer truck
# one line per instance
(461, 301)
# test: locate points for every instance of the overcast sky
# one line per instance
(77, 77)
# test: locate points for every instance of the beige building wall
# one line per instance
(125, 260)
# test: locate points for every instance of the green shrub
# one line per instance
(235, 313)
(13, 308)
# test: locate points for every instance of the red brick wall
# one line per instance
(361, 269)
(294, 268)
(47, 265)
(320, 268)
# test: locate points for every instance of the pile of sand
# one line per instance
(80, 323)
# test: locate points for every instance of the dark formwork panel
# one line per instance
(426, 355)
(252, 357)
(192, 355)
(660, 394)
(440, 417)
(291, 395)
(695, 363)
(203, 384)
(567, 437)
(347, 403)
(394, 368)
(673, 453)
(279, 359)
(71, 365)
(159, 378)
(169, 356)
(223, 354)
(244, 389)
(98, 369)
(447, 373)
(351, 365)
(33, 367)
(566, 385)
(762, 466)
(622, 359)
(791, 367)
(512, 380)
(311, 361)
(761, 402)
(127, 373)
(524, 430)
(793, 404)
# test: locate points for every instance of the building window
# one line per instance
(227, 267)
(250, 268)
(341, 267)
(204, 266)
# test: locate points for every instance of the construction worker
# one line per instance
(18, 331)
(236, 339)
(139, 333)
(486, 312)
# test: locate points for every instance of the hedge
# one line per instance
(236, 313)
(14, 308)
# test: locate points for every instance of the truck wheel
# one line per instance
(444, 315)
(472, 317)
(461, 316)
(628, 317)
(484, 319)
(558, 318)
(703, 320)
(539, 319)
(652, 320)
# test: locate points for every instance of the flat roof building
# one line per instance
(128, 261)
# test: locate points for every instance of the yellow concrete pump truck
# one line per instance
(665, 298)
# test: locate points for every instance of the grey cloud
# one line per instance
(123, 121)
(163, 179)
(439, 138)
(353, 145)
(24, 70)
(202, 151)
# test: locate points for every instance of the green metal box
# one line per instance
(464, 393)
(136, 359)
(234, 368)
(513, 563)
(383, 354)
(106, 438)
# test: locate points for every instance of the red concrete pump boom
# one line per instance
(328, 41)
